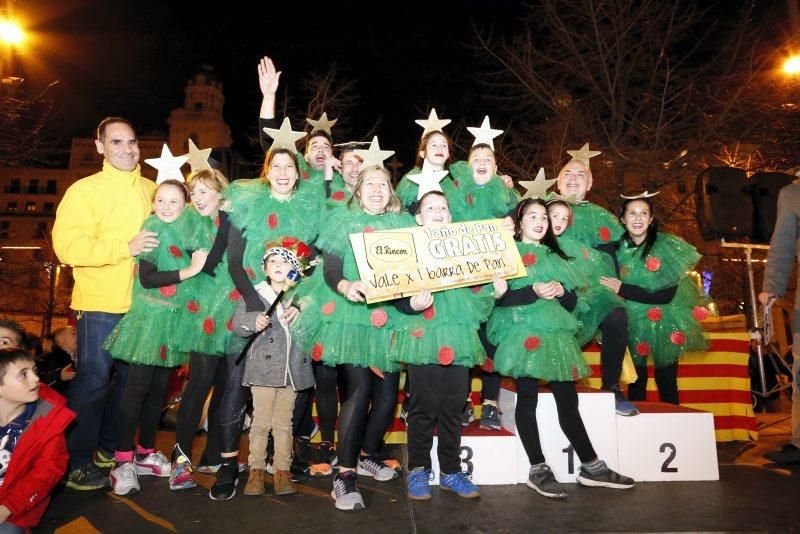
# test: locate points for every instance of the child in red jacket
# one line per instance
(33, 451)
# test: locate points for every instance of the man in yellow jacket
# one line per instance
(97, 232)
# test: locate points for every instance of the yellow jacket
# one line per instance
(95, 220)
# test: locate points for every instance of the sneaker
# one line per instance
(418, 484)
(544, 482)
(103, 460)
(255, 483)
(86, 478)
(468, 414)
(299, 471)
(383, 455)
(326, 460)
(788, 454)
(345, 492)
(459, 484)
(605, 478)
(623, 406)
(404, 409)
(227, 479)
(370, 467)
(154, 463)
(490, 417)
(181, 475)
(302, 451)
(124, 480)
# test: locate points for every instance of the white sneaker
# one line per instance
(124, 480)
(378, 470)
(155, 464)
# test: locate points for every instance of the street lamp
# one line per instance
(11, 33)
(792, 65)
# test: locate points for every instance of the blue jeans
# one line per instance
(95, 392)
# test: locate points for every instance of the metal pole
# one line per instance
(756, 331)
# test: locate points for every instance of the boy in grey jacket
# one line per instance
(275, 369)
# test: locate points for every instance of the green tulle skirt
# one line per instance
(147, 335)
(447, 332)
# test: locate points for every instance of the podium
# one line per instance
(664, 442)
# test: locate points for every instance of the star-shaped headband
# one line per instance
(323, 124)
(374, 155)
(197, 158)
(484, 134)
(284, 137)
(433, 123)
(428, 179)
(537, 188)
(640, 196)
(168, 166)
(584, 154)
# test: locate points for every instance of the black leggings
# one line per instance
(490, 386)
(327, 401)
(612, 350)
(205, 371)
(302, 420)
(233, 405)
(141, 406)
(358, 424)
(568, 418)
(666, 381)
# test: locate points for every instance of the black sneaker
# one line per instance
(490, 417)
(544, 482)
(787, 455)
(227, 479)
(302, 450)
(467, 414)
(606, 478)
(87, 478)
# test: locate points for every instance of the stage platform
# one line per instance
(747, 497)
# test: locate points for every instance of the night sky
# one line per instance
(134, 58)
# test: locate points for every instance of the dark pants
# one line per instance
(490, 387)
(205, 372)
(612, 351)
(438, 400)
(327, 400)
(569, 419)
(666, 380)
(233, 405)
(141, 406)
(94, 394)
(302, 418)
(358, 424)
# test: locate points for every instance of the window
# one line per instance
(40, 230)
(198, 106)
(48, 207)
(30, 206)
(11, 206)
(15, 186)
(33, 187)
(4, 226)
(51, 187)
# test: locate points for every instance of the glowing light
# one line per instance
(792, 65)
(11, 33)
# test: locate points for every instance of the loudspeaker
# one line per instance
(765, 188)
(724, 203)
